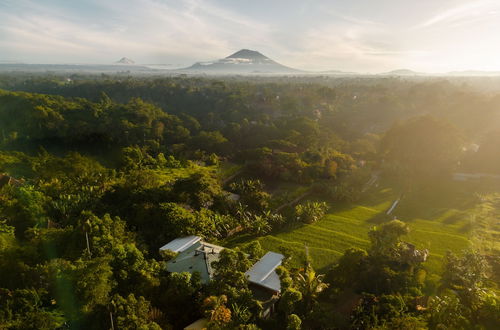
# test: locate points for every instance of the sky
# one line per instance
(349, 35)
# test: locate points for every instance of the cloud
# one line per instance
(469, 12)
(151, 30)
(317, 35)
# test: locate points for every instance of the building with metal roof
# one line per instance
(181, 244)
(263, 272)
(194, 255)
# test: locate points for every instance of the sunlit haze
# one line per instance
(361, 36)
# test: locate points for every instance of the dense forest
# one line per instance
(98, 172)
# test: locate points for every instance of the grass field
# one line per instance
(439, 219)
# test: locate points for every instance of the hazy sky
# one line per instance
(358, 35)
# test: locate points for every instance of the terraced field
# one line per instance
(437, 223)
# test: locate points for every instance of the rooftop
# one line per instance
(263, 272)
(181, 244)
(197, 257)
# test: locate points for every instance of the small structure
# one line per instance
(265, 282)
(194, 255)
(197, 325)
(412, 254)
(232, 196)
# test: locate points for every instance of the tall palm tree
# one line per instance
(310, 285)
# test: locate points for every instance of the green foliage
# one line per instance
(386, 239)
(93, 282)
(252, 194)
(181, 297)
(24, 309)
(347, 272)
(30, 205)
(7, 237)
(198, 190)
(254, 251)
(422, 146)
(132, 313)
(310, 212)
(379, 312)
(464, 299)
(294, 322)
(130, 177)
(288, 301)
(310, 285)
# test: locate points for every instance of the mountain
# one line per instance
(243, 61)
(401, 72)
(338, 73)
(125, 60)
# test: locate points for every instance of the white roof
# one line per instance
(263, 272)
(181, 244)
(197, 325)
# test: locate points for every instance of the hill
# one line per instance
(401, 72)
(125, 60)
(243, 61)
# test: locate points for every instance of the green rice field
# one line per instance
(439, 220)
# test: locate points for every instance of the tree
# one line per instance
(180, 300)
(7, 237)
(230, 280)
(216, 311)
(93, 282)
(289, 300)
(252, 194)
(310, 212)
(465, 278)
(346, 273)
(310, 285)
(198, 190)
(24, 309)
(386, 239)
(422, 146)
(294, 322)
(132, 313)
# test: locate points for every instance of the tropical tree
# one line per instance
(422, 146)
(310, 285)
(310, 212)
(386, 238)
(216, 311)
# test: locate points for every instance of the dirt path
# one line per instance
(229, 178)
(293, 202)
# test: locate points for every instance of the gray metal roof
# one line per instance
(196, 258)
(263, 271)
(181, 244)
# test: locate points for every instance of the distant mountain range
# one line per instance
(402, 72)
(243, 61)
(125, 60)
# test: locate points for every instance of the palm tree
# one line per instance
(310, 285)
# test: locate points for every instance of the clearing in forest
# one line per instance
(440, 219)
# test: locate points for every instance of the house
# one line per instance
(193, 255)
(265, 282)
